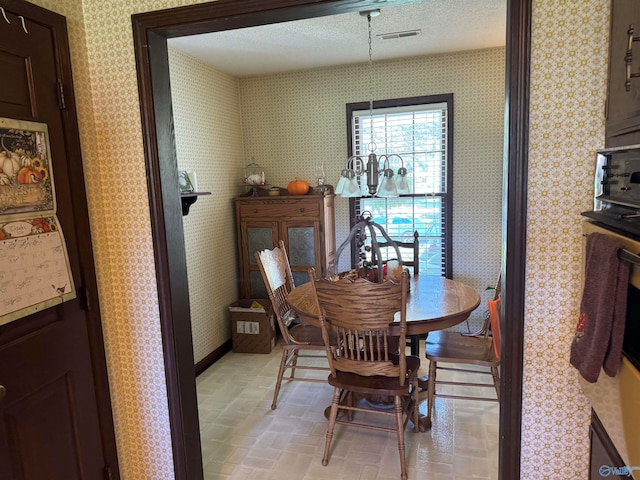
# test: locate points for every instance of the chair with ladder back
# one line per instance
(296, 336)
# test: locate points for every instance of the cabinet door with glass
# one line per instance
(255, 236)
(304, 246)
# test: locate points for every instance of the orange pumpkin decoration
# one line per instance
(298, 187)
(28, 175)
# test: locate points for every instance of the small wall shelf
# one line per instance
(189, 199)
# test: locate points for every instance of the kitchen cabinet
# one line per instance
(623, 91)
(305, 223)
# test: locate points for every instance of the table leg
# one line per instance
(424, 422)
(423, 382)
(415, 345)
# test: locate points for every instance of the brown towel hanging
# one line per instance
(597, 343)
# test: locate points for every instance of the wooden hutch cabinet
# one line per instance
(305, 223)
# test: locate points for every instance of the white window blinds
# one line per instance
(418, 133)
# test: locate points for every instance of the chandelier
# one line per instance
(376, 171)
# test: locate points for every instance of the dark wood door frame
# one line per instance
(151, 31)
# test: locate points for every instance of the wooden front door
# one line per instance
(55, 412)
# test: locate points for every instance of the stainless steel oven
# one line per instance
(617, 211)
(615, 400)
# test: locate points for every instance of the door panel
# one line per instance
(49, 419)
(55, 419)
(17, 80)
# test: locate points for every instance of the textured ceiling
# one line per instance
(445, 25)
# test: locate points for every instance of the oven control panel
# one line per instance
(616, 199)
(617, 177)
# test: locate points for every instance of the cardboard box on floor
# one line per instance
(253, 328)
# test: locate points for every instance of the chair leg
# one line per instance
(283, 362)
(415, 411)
(431, 388)
(397, 400)
(345, 399)
(332, 423)
(496, 380)
(351, 400)
(294, 362)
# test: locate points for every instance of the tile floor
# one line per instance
(242, 438)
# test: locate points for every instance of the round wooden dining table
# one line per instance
(433, 303)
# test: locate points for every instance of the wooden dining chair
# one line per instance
(366, 360)
(412, 259)
(413, 251)
(454, 349)
(296, 336)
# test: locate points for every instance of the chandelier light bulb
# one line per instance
(352, 189)
(402, 182)
(387, 185)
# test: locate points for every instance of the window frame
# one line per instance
(448, 197)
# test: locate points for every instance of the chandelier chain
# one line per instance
(371, 143)
(379, 179)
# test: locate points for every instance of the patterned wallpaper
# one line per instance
(294, 121)
(209, 142)
(568, 89)
(569, 51)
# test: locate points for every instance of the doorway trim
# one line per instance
(151, 31)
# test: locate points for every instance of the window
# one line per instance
(419, 130)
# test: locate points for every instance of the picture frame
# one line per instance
(184, 182)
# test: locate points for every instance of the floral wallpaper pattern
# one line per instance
(568, 89)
